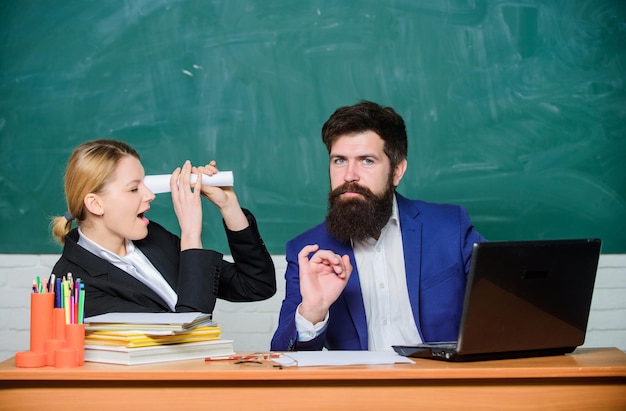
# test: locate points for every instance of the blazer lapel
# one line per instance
(354, 301)
(412, 244)
(352, 295)
(97, 267)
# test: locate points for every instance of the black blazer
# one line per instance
(197, 276)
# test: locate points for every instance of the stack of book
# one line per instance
(142, 338)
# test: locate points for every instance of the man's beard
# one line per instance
(358, 218)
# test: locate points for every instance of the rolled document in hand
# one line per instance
(161, 183)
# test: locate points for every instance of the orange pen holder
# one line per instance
(52, 341)
(41, 306)
(75, 340)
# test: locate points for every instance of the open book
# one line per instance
(149, 322)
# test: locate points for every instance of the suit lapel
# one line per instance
(352, 295)
(354, 302)
(96, 267)
(412, 243)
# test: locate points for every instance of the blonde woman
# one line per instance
(131, 264)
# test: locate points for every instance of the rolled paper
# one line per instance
(160, 183)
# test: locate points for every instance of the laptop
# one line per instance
(523, 299)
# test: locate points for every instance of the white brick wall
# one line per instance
(251, 325)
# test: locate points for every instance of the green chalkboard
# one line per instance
(515, 109)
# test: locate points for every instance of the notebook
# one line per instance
(523, 299)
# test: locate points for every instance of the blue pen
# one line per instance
(57, 294)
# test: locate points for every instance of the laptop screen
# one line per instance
(528, 295)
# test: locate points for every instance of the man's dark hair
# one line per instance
(368, 116)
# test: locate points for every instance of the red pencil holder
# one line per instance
(58, 328)
(65, 358)
(75, 339)
(52, 346)
(41, 306)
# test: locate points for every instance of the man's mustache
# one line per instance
(352, 188)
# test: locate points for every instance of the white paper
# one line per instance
(160, 183)
(339, 357)
(144, 318)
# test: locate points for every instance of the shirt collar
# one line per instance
(395, 214)
(102, 252)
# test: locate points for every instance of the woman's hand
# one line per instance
(224, 199)
(187, 206)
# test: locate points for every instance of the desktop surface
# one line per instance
(588, 378)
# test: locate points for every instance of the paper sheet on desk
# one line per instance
(160, 183)
(311, 358)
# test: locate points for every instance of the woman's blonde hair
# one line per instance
(88, 170)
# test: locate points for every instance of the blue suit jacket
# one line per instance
(437, 241)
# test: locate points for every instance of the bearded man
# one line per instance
(382, 270)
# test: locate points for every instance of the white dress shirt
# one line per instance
(382, 277)
(136, 264)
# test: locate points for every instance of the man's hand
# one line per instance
(323, 277)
